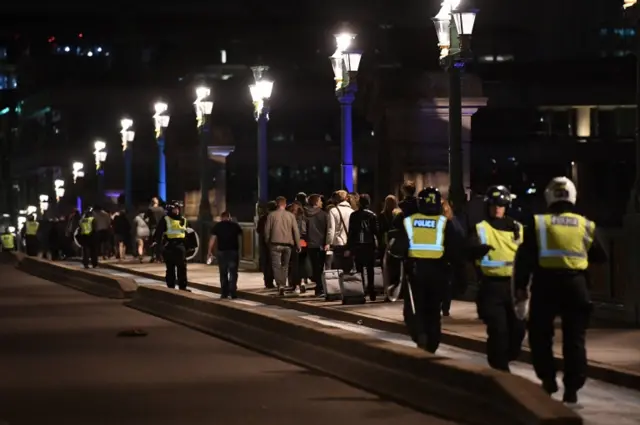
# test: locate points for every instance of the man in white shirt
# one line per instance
(337, 231)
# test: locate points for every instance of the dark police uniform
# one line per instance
(499, 239)
(31, 237)
(171, 232)
(8, 241)
(88, 239)
(431, 245)
(556, 252)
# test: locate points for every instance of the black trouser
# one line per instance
(104, 242)
(265, 265)
(316, 259)
(567, 297)
(32, 245)
(89, 249)
(504, 331)
(422, 302)
(175, 258)
(365, 259)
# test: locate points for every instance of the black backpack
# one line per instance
(365, 236)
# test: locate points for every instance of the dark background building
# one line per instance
(556, 77)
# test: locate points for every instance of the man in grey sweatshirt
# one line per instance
(281, 235)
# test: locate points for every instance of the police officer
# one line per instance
(30, 230)
(556, 252)
(432, 244)
(88, 238)
(494, 245)
(171, 232)
(8, 239)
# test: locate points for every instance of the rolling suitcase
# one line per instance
(332, 284)
(352, 288)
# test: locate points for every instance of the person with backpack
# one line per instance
(362, 242)
(337, 231)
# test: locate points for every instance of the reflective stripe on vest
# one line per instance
(499, 261)
(175, 230)
(8, 241)
(86, 226)
(426, 236)
(564, 241)
(32, 228)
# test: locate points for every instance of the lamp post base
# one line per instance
(631, 241)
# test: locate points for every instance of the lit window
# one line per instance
(486, 59)
(3, 52)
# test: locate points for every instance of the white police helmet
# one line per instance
(560, 189)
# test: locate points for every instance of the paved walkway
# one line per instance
(62, 364)
(615, 347)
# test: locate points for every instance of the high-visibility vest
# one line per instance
(8, 241)
(32, 228)
(175, 228)
(86, 226)
(564, 241)
(426, 236)
(499, 261)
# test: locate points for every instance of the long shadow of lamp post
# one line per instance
(454, 26)
(100, 155)
(161, 119)
(203, 106)
(345, 62)
(260, 94)
(127, 141)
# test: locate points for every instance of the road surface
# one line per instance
(61, 363)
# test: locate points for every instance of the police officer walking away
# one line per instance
(171, 233)
(556, 252)
(88, 238)
(30, 233)
(494, 245)
(432, 245)
(8, 239)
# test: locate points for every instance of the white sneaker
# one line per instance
(297, 290)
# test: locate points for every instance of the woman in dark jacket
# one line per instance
(265, 258)
(298, 269)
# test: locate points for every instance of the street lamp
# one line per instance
(345, 62)
(44, 203)
(161, 119)
(78, 172)
(58, 186)
(203, 106)
(127, 135)
(100, 155)
(260, 94)
(453, 48)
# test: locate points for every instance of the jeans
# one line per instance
(228, 263)
(280, 257)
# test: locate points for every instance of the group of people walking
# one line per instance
(425, 248)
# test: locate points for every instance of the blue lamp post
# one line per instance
(161, 119)
(100, 154)
(78, 173)
(260, 94)
(345, 62)
(127, 139)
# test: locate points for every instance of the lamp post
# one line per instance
(203, 106)
(44, 203)
(77, 169)
(58, 186)
(161, 119)
(454, 25)
(100, 155)
(260, 94)
(127, 139)
(345, 62)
